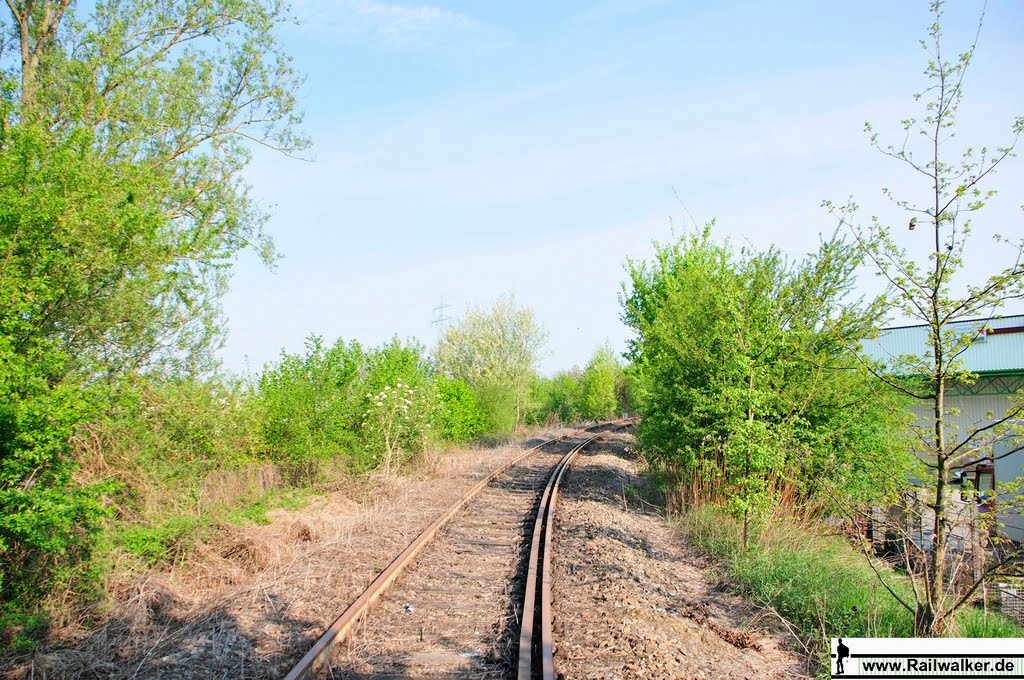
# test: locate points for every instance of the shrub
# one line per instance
(459, 417)
(163, 437)
(499, 406)
(166, 541)
(557, 397)
(47, 520)
(310, 406)
(597, 393)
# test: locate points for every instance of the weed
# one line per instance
(818, 582)
(167, 541)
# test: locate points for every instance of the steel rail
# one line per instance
(344, 624)
(536, 619)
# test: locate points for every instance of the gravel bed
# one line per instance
(631, 600)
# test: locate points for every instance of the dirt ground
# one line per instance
(250, 603)
(633, 601)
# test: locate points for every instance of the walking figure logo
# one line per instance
(842, 652)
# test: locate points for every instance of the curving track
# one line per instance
(457, 611)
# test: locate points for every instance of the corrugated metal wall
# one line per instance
(976, 412)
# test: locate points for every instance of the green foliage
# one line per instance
(501, 407)
(597, 392)
(168, 541)
(397, 421)
(123, 134)
(21, 632)
(495, 350)
(182, 428)
(362, 408)
(47, 521)
(311, 405)
(557, 397)
(459, 416)
(598, 399)
(255, 510)
(744, 381)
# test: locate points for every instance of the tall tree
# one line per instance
(496, 350)
(144, 114)
(123, 134)
(923, 285)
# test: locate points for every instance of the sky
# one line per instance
(467, 150)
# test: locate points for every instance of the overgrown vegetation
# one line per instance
(814, 578)
(123, 131)
(744, 381)
(163, 462)
(599, 391)
(496, 351)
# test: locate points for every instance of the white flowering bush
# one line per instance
(396, 422)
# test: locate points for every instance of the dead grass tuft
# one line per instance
(249, 555)
(144, 601)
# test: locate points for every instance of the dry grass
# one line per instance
(252, 599)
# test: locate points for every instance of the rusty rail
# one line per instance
(344, 624)
(536, 652)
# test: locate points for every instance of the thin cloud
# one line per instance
(397, 26)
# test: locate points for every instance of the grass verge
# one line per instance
(818, 582)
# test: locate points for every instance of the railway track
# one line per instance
(458, 610)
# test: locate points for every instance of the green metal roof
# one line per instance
(999, 349)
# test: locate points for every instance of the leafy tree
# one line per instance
(923, 286)
(496, 350)
(745, 387)
(123, 132)
(598, 399)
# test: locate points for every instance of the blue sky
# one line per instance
(465, 150)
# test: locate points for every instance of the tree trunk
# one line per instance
(34, 41)
(927, 620)
(937, 568)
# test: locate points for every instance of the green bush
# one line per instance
(597, 392)
(597, 398)
(362, 408)
(499, 407)
(556, 398)
(47, 521)
(746, 381)
(459, 417)
(310, 405)
(167, 541)
(398, 405)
